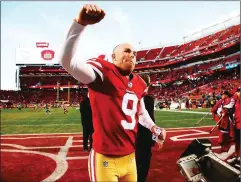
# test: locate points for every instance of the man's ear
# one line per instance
(113, 56)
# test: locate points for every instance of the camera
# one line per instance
(199, 164)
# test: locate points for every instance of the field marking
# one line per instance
(194, 127)
(15, 146)
(186, 139)
(225, 155)
(216, 147)
(76, 158)
(198, 132)
(64, 149)
(180, 120)
(170, 131)
(181, 115)
(77, 140)
(190, 112)
(61, 164)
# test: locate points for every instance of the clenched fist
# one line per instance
(90, 14)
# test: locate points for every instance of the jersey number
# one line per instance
(129, 112)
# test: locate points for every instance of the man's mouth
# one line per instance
(131, 62)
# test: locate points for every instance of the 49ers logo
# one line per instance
(47, 54)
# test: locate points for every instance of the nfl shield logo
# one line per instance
(129, 84)
(105, 163)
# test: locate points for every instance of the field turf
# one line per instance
(27, 121)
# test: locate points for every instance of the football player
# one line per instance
(65, 107)
(47, 110)
(116, 98)
(35, 107)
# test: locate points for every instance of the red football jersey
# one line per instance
(115, 103)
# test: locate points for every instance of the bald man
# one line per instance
(116, 98)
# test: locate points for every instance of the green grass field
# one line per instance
(27, 121)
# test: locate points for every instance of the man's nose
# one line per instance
(132, 55)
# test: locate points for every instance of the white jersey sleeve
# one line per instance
(144, 118)
(79, 70)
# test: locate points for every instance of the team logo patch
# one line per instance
(129, 84)
(105, 164)
(47, 54)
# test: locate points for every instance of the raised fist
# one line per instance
(90, 14)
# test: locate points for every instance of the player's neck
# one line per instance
(125, 73)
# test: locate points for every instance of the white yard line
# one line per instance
(169, 131)
(180, 120)
(186, 139)
(190, 127)
(198, 132)
(76, 158)
(216, 147)
(77, 140)
(64, 149)
(191, 112)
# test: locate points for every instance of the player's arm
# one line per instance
(144, 117)
(146, 121)
(88, 15)
(79, 70)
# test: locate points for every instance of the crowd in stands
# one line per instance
(209, 88)
(40, 96)
(50, 81)
(181, 73)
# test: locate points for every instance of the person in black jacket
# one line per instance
(144, 140)
(87, 124)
